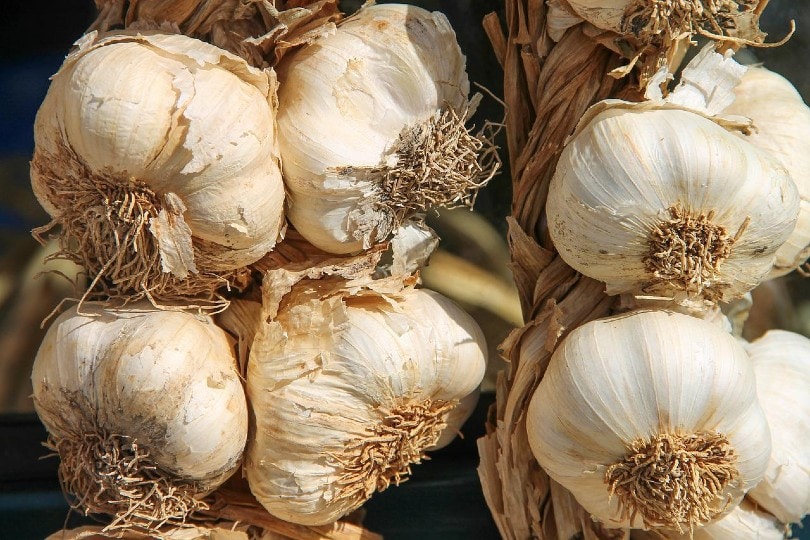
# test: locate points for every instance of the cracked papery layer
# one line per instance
(132, 242)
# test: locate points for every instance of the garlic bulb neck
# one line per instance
(385, 455)
(686, 251)
(672, 479)
(113, 474)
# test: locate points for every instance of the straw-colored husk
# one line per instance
(259, 31)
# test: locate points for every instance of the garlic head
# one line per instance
(782, 367)
(156, 155)
(349, 392)
(145, 409)
(650, 419)
(782, 128)
(665, 202)
(371, 126)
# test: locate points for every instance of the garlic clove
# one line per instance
(349, 391)
(683, 391)
(782, 366)
(145, 409)
(665, 202)
(782, 128)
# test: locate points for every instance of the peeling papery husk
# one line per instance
(150, 190)
(260, 32)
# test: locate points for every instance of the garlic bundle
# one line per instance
(145, 409)
(744, 522)
(782, 367)
(156, 155)
(650, 419)
(371, 127)
(349, 391)
(666, 202)
(782, 128)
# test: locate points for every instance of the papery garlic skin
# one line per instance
(782, 128)
(782, 366)
(172, 119)
(636, 377)
(348, 392)
(744, 522)
(622, 179)
(166, 380)
(345, 100)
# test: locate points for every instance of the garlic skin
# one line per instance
(621, 390)
(348, 392)
(782, 366)
(782, 128)
(744, 522)
(352, 106)
(167, 142)
(665, 202)
(160, 381)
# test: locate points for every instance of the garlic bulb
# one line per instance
(145, 409)
(348, 392)
(744, 522)
(665, 202)
(371, 126)
(781, 127)
(650, 419)
(782, 367)
(156, 155)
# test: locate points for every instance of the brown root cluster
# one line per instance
(686, 251)
(103, 224)
(385, 455)
(673, 481)
(667, 20)
(653, 29)
(104, 473)
(439, 163)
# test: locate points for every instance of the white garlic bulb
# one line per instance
(665, 202)
(348, 392)
(782, 366)
(650, 419)
(781, 127)
(371, 126)
(744, 522)
(156, 154)
(145, 409)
